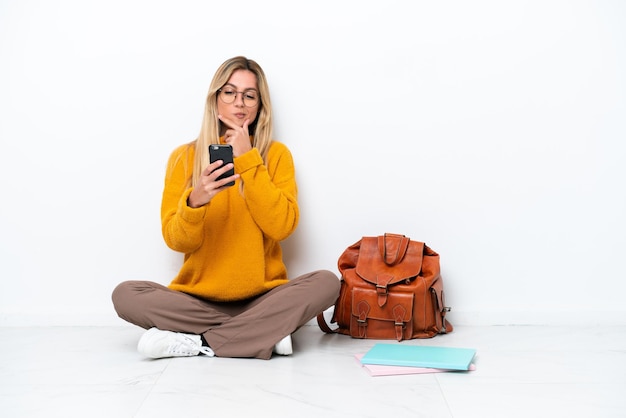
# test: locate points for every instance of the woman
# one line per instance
(232, 296)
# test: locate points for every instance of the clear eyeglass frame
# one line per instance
(228, 95)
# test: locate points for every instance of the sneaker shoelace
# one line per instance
(185, 343)
(207, 351)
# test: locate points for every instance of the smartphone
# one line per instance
(224, 153)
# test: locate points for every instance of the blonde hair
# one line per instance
(260, 129)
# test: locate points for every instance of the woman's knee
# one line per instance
(330, 277)
(123, 296)
(329, 281)
(121, 290)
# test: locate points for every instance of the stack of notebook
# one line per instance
(394, 359)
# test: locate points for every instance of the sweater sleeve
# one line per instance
(182, 226)
(270, 191)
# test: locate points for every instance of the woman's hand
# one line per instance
(208, 185)
(237, 136)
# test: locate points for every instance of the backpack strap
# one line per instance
(321, 322)
(398, 315)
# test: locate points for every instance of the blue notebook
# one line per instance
(420, 356)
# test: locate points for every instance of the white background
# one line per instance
(493, 131)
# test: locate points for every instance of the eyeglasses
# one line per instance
(229, 94)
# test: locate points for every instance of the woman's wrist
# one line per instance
(191, 202)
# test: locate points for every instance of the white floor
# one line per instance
(520, 372)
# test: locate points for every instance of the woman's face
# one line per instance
(242, 87)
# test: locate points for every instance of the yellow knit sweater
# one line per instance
(232, 244)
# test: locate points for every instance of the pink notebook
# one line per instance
(377, 370)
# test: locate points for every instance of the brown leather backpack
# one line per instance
(391, 288)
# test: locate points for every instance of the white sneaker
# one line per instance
(283, 347)
(156, 343)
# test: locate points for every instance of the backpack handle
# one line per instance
(393, 249)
